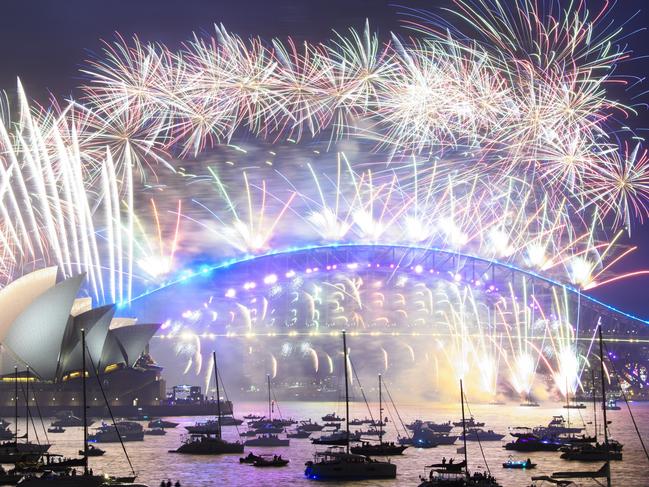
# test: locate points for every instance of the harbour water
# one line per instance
(153, 463)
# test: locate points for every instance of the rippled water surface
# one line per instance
(153, 462)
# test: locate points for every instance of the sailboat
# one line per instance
(382, 449)
(268, 438)
(210, 443)
(339, 463)
(87, 478)
(448, 474)
(14, 451)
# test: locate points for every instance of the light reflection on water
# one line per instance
(153, 462)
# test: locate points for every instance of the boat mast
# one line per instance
(380, 414)
(218, 393)
(85, 407)
(270, 407)
(466, 462)
(601, 365)
(27, 407)
(346, 388)
(592, 373)
(567, 402)
(16, 400)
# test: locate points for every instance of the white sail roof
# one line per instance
(36, 335)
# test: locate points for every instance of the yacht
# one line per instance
(531, 442)
(120, 432)
(469, 423)
(339, 463)
(162, 423)
(267, 440)
(339, 438)
(309, 426)
(210, 443)
(333, 417)
(478, 434)
(587, 452)
(380, 449)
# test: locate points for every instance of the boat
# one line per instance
(380, 449)
(358, 422)
(425, 438)
(470, 423)
(162, 423)
(92, 451)
(478, 434)
(558, 426)
(6, 434)
(209, 427)
(611, 405)
(309, 426)
(14, 451)
(431, 425)
(121, 431)
(337, 438)
(252, 416)
(335, 426)
(269, 429)
(155, 432)
(69, 420)
(86, 478)
(519, 464)
(574, 439)
(532, 442)
(250, 458)
(298, 434)
(574, 405)
(56, 429)
(332, 417)
(450, 474)
(267, 461)
(210, 443)
(339, 463)
(587, 452)
(267, 440)
(248, 434)
(336, 464)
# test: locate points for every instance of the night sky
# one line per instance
(45, 42)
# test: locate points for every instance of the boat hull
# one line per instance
(351, 471)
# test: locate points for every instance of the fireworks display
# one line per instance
(490, 134)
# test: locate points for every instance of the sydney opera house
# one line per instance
(40, 329)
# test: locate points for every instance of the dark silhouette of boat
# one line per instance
(267, 461)
(588, 452)
(450, 474)
(381, 449)
(56, 429)
(122, 431)
(478, 434)
(532, 442)
(267, 440)
(332, 417)
(309, 426)
(92, 451)
(470, 423)
(250, 458)
(162, 423)
(340, 464)
(337, 438)
(206, 443)
(437, 427)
